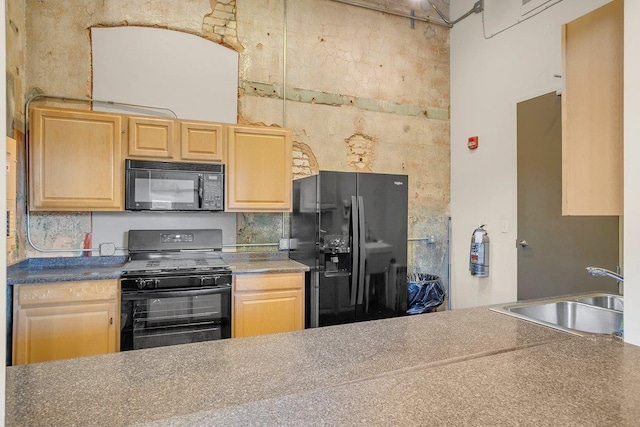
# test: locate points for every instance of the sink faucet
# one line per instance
(597, 271)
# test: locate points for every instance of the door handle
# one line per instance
(362, 251)
(523, 243)
(355, 252)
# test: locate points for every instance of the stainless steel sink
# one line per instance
(612, 302)
(578, 314)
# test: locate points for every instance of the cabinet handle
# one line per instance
(111, 320)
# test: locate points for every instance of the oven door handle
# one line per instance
(174, 294)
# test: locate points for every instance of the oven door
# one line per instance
(156, 318)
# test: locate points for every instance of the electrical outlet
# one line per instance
(284, 244)
(107, 249)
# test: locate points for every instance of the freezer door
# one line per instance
(336, 251)
(304, 221)
(304, 240)
(383, 203)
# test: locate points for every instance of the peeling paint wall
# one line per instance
(304, 161)
(364, 92)
(15, 75)
(58, 45)
(60, 64)
(220, 25)
(361, 151)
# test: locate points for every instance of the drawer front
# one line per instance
(58, 292)
(268, 281)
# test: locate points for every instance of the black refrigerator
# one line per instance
(351, 230)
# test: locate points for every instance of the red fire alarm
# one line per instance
(472, 143)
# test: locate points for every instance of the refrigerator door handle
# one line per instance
(363, 254)
(314, 310)
(355, 252)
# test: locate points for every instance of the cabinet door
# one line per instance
(151, 137)
(259, 169)
(268, 303)
(259, 313)
(65, 319)
(75, 161)
(592, 137)
(201, 141)
(62, 332)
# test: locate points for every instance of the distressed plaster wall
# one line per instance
(15, 75)
(59, 57)
(364, 90)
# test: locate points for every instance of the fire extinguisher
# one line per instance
(479, 254)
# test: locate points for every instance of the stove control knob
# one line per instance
(146, 283)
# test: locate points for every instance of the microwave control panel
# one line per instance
(213, 191)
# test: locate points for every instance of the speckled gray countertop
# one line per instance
(61, 269)
(463, 367)
(265, 262)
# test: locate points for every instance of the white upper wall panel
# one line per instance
(194, 77)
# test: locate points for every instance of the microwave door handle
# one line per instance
(200, 191)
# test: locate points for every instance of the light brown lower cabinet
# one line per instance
(268, 303)
(62, 320)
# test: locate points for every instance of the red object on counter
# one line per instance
(86, 244)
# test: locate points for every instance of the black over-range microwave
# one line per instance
(171, 186)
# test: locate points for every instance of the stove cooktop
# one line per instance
(174, 250)
(167, 264)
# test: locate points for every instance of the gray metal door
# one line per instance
(553, 250)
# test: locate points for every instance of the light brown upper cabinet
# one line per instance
(175, 140)
(201, 141)
(75, 160)
(151, 137)
(592, 139)
(259, 169)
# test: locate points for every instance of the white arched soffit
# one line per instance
(194, 77)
